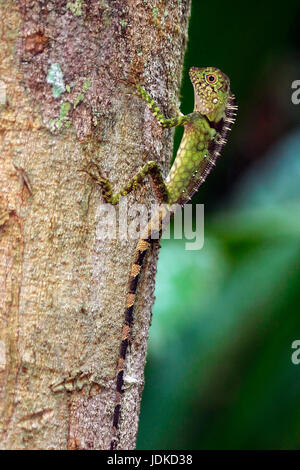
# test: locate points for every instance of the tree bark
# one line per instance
(63, 103)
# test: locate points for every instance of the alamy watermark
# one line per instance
(295, 357)
(135, 221)
(296, 94)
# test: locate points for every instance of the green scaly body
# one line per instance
(205, 132)
(192, 154)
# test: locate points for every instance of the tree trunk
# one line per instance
(63, 103)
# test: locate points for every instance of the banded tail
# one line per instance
(151, 234)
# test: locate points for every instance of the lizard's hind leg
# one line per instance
(151, 168)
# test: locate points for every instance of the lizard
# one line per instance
(205, 133)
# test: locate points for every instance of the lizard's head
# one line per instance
(211, 89)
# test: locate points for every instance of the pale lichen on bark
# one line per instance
(62, 288)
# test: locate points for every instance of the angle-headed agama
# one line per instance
(205, 133)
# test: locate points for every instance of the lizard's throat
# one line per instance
(209, 110)
(201, 105)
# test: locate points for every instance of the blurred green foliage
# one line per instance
(219, 373)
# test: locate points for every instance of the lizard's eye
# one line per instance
(211, 78)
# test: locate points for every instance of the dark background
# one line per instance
(219, 372)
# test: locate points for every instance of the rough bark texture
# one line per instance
(62, 289)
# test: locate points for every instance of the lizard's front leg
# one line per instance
(179, 120)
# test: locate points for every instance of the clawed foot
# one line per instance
(93, 170)
(133, 86)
